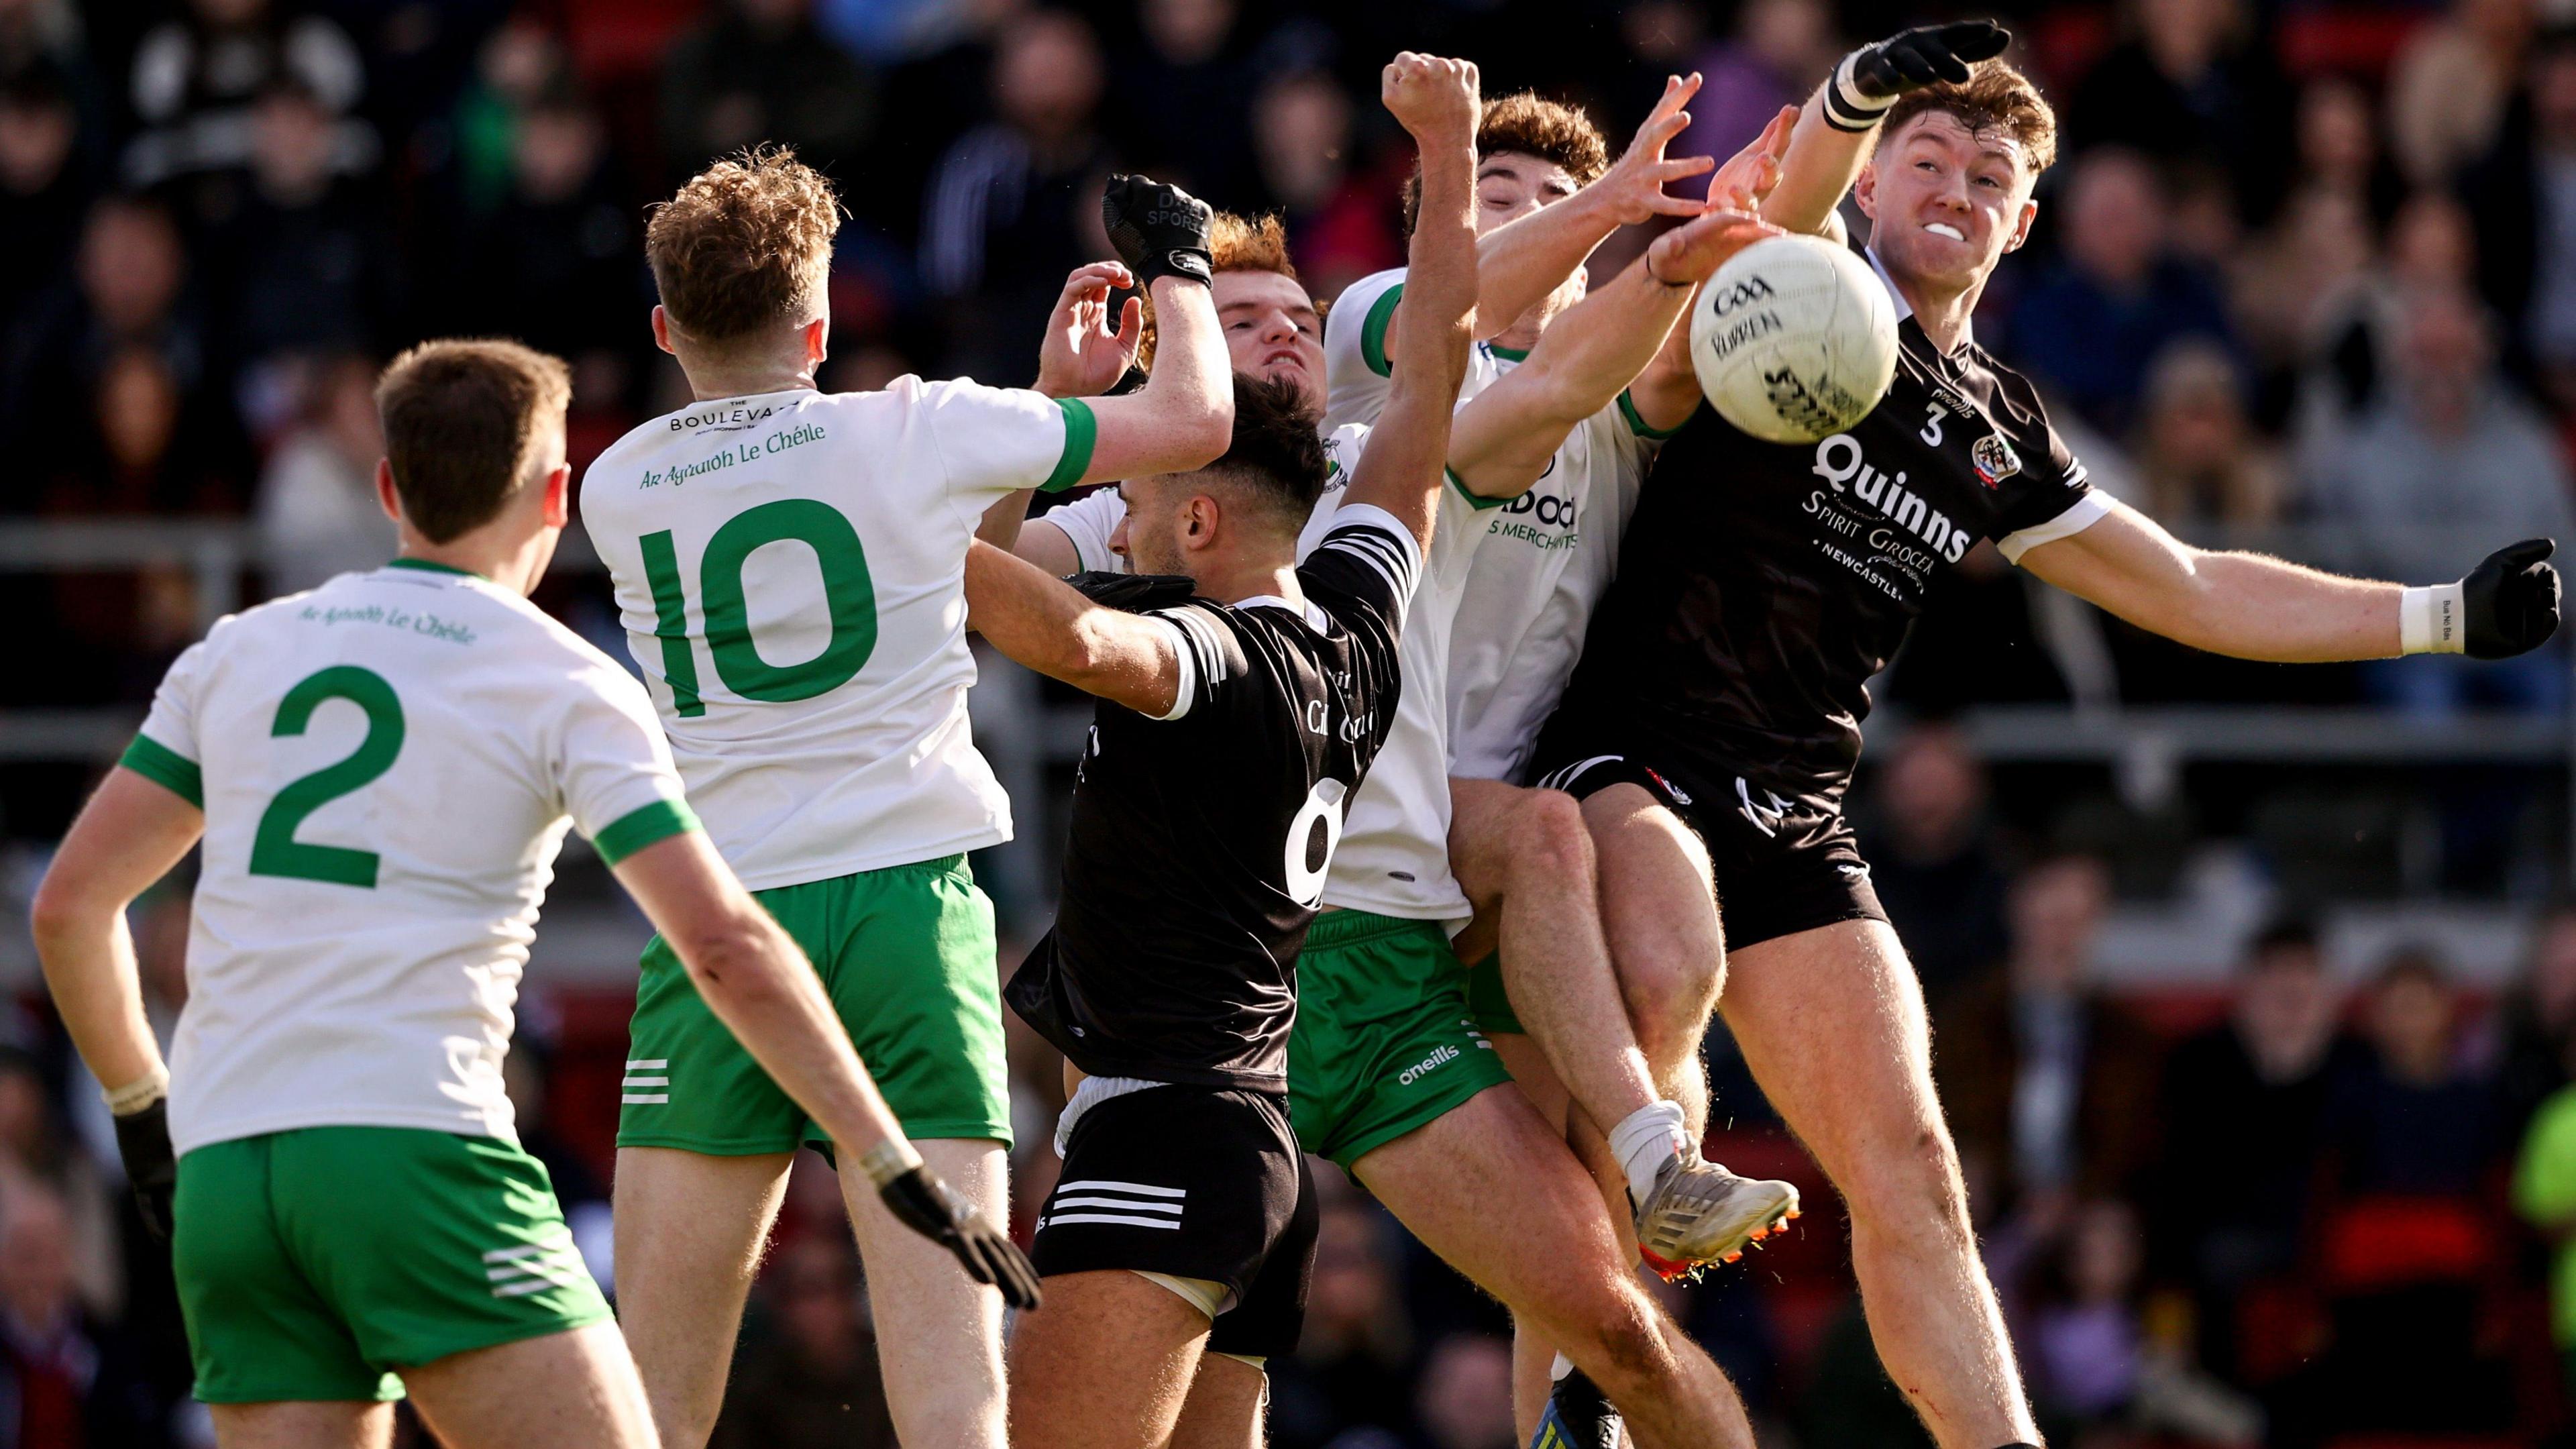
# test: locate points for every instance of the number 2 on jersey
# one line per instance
(275, 850)
(847, 592)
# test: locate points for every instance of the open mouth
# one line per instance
(1284, 357)
(1943, 228)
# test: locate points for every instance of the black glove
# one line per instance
(1159, 230)
(1872, 77)
(2509, 604)
(151, 1168)
(924, 1204)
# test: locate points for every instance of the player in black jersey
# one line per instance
(1713, 723)
(1242, 698)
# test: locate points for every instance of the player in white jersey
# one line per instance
(382, 770)
(790, 566)
(1386, 1076)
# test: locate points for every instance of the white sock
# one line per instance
(1650, 1134)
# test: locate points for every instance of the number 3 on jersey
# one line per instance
(847, 592)
(274, 849)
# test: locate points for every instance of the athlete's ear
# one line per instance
(386, 498)
(818, 341)
(2021, 231)
(662, 329)
(1864, 191)
(558, 503)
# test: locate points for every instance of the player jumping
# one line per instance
(790, 566)
(1712, 725)
(382, 770)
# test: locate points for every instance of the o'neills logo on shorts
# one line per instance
(1419, 1069)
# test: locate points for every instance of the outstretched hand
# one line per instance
(921, 1202)
(1692, 252)
(1633, 187)
(1925, 55)
(1434, 97)
(1750, 176)
(2509, 603)
(1082, 355)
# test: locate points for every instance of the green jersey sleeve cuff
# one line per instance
(1373, 330)
(1081, 435)
(1474, 498)
(1637, 425)
(641, 827)
(167, 768)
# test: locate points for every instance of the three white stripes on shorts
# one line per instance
(534, 1268)
(1134, 1204)
(657, 1066)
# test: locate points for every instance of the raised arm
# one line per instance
(1400, 469)
(759, 985)
(1046, 624)
(1080, 356)
(129, 835)
(2250, 606)
(1840, 122)
(1183, 417)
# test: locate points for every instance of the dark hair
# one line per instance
(461, 421)
(1276, 451)
(1526, 123)
(1995, 98)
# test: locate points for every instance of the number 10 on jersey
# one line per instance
(848, 595)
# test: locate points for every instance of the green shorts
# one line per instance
(1382, 1043)
(1489, 1006)
(317, 1264)
(905, 953)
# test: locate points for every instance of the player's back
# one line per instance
(790, 567)
(386, 765)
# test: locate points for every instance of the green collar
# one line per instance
(1508, 354)
(432, 566)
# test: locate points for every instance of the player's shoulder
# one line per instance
(1361, 294)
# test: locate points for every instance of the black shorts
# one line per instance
(1193, 1182)
(1783, 865)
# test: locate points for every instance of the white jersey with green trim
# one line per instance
(1394, 853)
(1358, 374)
(1551, 554)
(387, 766)
(791, 570)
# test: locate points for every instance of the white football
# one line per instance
(1794, 339)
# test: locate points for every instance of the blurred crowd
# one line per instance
(2307, 278)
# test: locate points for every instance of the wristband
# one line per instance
(137, 1095)
(2429, 620)
(1846, 109)
(888, 1160)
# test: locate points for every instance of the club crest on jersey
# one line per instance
(1994, 458)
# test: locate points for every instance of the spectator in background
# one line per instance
(941, 95)
(1339, 227)
(521, 63)
(1780, 50)
(1180, 109)
(2544, 1193)
(38, 1159)
(2411, 1118)
(2090, 329)
(2199, 459)
(761, 70)
(43, 195)
(139, 447)
(198, 76)
(2190, 83)
(306, 268)
(2447, 91)
(1353, 1367)
(2524, 197)
(65, 1381)
(2447, 455)
(2537, 1021)
(1014, 205)
(2338, 147)
(1933, 859)
(811, 1380)
(2348, 363)
(2047, 1080)
(1466, 1396)
(127, 290)
(556, 262)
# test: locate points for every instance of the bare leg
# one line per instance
(939, 1333)
(1105, 1364)
(1500, 1197)
(1831, 1022)
(304, 1425)
(1224, 1407)
(1533, 1352)
(689, 1234)
(1526, 852)
(575, 1390)
(1660, 912)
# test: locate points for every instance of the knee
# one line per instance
(1670, 988)
(1549, 843)
(1620, 1339)
(1914, 1189)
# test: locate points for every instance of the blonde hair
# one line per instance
(745, 247)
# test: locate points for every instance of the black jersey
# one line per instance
(1200, 841)
(1760, 585)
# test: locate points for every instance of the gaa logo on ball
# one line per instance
(1794, 339)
